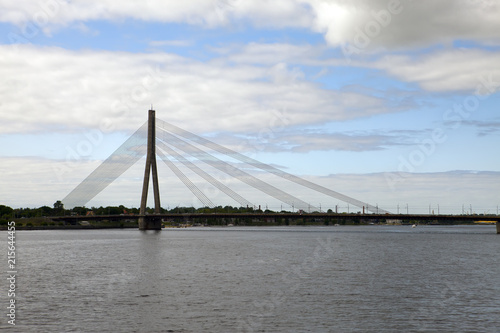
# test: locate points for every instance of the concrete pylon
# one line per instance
(150, 222)
(498, 227)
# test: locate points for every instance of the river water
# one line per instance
(267, 279)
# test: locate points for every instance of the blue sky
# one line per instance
(321, 88)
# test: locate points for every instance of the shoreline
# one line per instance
(94, 227)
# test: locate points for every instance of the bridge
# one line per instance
(286, 218)
(176, 146)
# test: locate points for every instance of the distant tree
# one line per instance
(113, 210)
(133, 210)
(5, 212)
(58, 208)
(80, 210)
(47, 211)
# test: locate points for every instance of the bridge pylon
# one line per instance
(150, 222)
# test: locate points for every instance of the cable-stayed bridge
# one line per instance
(176, 147)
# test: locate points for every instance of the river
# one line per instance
(257, 279)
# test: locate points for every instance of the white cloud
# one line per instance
(210, 13)
(276, 13)
(441, 70)
(270, 53)
(25, 186)
(447, 70)
(302, 141)
(456, 188)
(33, 182)
(364, 24)
(177, 43)
(54, 89)
(368, 25)
(339, 142)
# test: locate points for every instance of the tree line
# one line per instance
(8, 213)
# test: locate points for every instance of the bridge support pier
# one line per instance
(150, 222)
(498, 228)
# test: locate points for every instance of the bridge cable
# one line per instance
(219, 185)
(133, 149)
(245, 159)
(189, 184)
(231, 170)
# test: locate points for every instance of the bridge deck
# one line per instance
(277, 216)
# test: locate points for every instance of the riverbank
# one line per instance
(45, 223)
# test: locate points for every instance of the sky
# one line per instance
(395, 103)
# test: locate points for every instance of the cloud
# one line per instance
(28, 186)
(49, 88)
(441, 70)
(484, 128)
(341, 142)
(366, 25)
(270, 53)
(447, 70)
(208, 13)
(303, 141)
(25, 186)
(370, 25)
(456, 188)
(176, 43)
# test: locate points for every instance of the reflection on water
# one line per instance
(283, 279)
